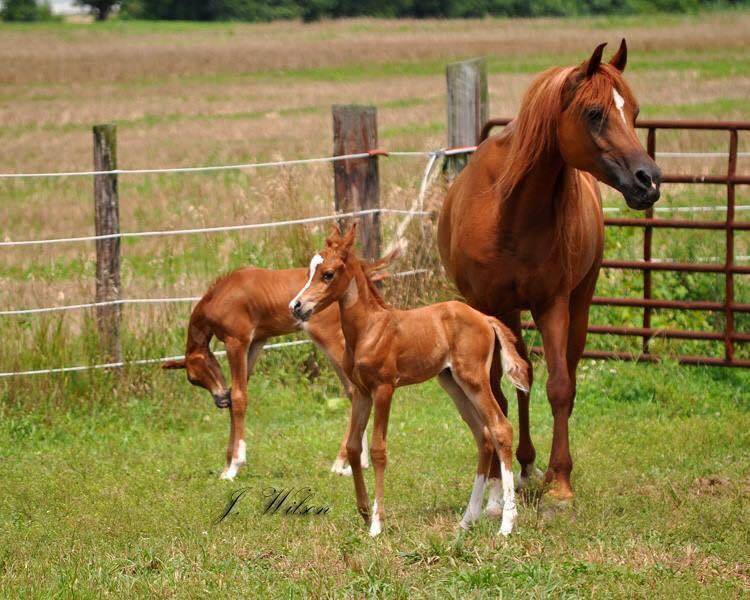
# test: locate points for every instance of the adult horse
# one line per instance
(522, 225)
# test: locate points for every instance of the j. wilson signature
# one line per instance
(291, 501)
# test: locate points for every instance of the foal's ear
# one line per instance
(334, 238)
(348, 240)
(620, 59)
(596, 59)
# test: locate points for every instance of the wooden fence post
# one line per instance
(107, 221)
(467, 108)
(356, 181)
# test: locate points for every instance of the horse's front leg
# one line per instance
(382, 400)
(237, 354)
(554, 325)
(361, 405)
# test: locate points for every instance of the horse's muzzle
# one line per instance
(223, 400)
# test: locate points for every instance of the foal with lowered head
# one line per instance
(387, 348)
(244, 309)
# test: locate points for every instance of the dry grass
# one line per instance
(185, 94)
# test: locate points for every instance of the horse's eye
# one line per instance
(595, 114)
(327, 276)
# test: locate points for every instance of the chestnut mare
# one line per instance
(388, 348)
(244, 309)
(522, 225)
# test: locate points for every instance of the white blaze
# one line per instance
(314, 262)
(619, 104)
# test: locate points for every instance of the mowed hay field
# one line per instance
(110, 480)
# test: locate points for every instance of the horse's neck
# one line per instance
(357, 307)
(535, 201)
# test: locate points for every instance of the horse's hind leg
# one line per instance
(238, 351)
(485, 449)
(525, 452)
(477, 388)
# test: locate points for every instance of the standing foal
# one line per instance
(244, 309)
(387, 348)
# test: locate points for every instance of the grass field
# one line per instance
(110, 481)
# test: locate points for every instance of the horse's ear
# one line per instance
(334, 238)
(620, 59)
(347, 241)
(596, 59)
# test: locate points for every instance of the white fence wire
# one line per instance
(417, 209)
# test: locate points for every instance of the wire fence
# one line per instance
(416, 210)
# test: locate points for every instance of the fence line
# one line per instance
(267, 225)
(234, 167)
(124, 301)
(142, 361)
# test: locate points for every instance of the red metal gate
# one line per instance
(729, 269)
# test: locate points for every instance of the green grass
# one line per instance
(116, 493)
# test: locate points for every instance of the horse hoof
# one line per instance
(227, 475)
(339, 468)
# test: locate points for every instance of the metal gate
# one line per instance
(647, 266)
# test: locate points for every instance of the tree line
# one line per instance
(312, 10)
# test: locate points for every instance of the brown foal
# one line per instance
(522, 226)
(387, 348)
(244, 309)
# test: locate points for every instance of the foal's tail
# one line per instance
(513, 365)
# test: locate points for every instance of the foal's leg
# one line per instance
(237, 353)
(525, 452)
(382, 399)
(340, 465)
(361, 405)
(485, 450)
(554, 325)
(477, 387)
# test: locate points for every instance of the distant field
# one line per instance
(661, 451)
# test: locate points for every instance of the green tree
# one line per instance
(101, 9)
(25, 10)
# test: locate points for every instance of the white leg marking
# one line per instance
(340, 467)
(376, 527)
(509, 501)
(237, 461)
(364, 458)
(619, 104)
(494, 507)
(474, 509)
(314, 262)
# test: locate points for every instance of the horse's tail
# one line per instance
(513, 365)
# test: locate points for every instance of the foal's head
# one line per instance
(331, 272)
(588, 114)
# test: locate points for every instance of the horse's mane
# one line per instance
(371, 285)
(534, 131)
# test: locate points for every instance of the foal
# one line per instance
(387, 348)
(244, 309)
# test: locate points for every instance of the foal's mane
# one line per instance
(373, 289)
(534, 131)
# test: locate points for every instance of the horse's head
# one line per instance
(596, 129)
(329, 277)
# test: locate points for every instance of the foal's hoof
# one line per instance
(493, 510)
(509, 520)
(340, 468)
